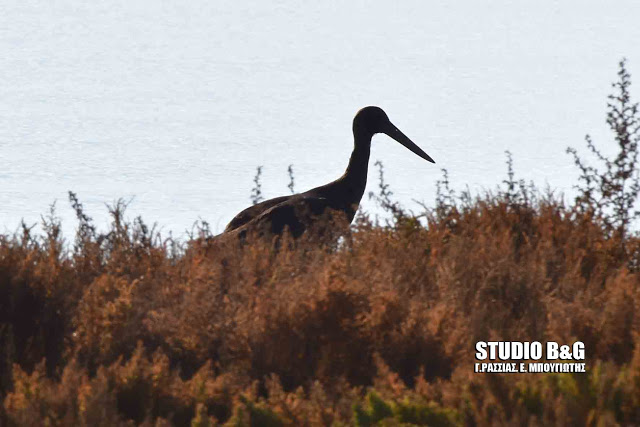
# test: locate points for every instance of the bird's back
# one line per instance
(253, 212)
(298, 214)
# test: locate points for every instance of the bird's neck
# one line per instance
(347, 191)
(356, 172)
(354, 179)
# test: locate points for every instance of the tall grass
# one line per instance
(126, 327)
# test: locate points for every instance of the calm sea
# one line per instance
(172, 105)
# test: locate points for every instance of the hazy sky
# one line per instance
(175, 103)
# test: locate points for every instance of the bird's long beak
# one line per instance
(395, 133)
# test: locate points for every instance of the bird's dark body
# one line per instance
(253, 211)
(328, 205)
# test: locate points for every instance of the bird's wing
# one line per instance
(252, 212)
(296, 214)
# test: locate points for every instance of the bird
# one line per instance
(320, 209)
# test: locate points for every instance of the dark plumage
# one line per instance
(338, 200)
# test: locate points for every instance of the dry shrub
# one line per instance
(143, 389)
(246, 334)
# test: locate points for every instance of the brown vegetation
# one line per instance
(125, 328)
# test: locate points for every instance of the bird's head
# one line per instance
(372, 120)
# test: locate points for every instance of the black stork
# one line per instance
(299, 212)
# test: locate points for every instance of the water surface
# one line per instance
(173, 104)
